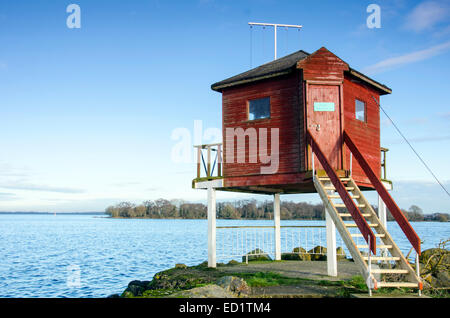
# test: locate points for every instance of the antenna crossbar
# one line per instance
(275, 26)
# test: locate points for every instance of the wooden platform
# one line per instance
(287, 183)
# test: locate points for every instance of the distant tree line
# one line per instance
(415, 213)
(242, 209)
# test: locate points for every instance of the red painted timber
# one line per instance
(285, 114)
(322, 65)
(360, 221)
(365, 133)
(384, 194)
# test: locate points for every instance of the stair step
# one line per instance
(328, 179)
(389, 271)
(348, 214)
(354, 225)
(342, 205)
(337, 196)
(382, 258)
(360, 235)
(396, 284)
(333, 188)
(378, 246)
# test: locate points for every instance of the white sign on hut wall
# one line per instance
(323, 107)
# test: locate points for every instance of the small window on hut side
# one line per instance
(259, 108)
(360, 110)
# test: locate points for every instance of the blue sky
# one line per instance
(87, 115)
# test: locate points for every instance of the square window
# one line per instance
(259, 108)
(360, 110)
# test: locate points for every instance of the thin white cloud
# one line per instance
(426, 15)
(18, 185)
(4, 196)
(421, 139)
(9, 170)
(408, 58)
(126, 184)
(418, 120)
(445, 116)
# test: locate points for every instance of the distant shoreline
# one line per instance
(176, 218)
(51, 213)
(245, 209)
(242, 219)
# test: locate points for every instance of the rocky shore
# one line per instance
(300, 274)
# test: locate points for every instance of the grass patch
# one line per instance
(358, 283)
(264, 279)
(437, 293)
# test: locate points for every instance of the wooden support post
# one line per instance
(211, 227)
(276, 218)
(199, 160)
(219, 160)
(331, 245)
(208, 165)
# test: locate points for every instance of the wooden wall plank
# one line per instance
(285, 115)
(366, 134)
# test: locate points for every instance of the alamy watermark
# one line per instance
(73, 21)
(374, 18)
(241, 145)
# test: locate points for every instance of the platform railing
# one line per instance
(244, 241)
(383, 163)
(211, 168)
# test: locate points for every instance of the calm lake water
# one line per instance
(41, 255)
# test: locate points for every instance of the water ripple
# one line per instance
(84, 256)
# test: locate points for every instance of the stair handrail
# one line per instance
(384, 194)
(354, 211)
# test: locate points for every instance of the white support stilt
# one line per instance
(382, 206)
(382, 212)
(331, 245)
(211, 227)
(276, 218)
(383, 219)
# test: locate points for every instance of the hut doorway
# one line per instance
(323, 121)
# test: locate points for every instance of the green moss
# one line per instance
(127, 294)
(158, 293)
(233, 262)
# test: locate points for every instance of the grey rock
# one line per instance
(256, 255)
(443, 279)
(136, 287)
(208, 291)
(234, 285)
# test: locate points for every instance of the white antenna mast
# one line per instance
(275, 25)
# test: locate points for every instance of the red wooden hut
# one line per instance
(325, 118)
(301, 91)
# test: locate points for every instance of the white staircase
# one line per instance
(390, 268)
